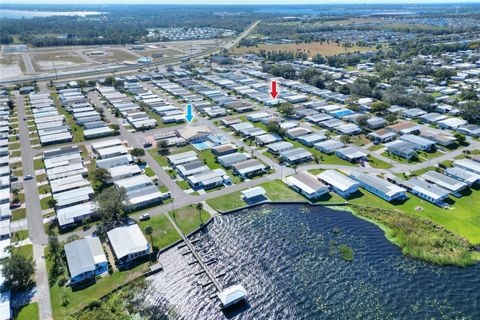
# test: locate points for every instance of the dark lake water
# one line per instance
(284, 256)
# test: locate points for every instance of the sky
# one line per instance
(232, 2)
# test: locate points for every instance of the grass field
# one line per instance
(28, 312)
(19, 214)
(38, 164)
(313, 48)
(188, 218)
(461, 219)
(163, 232)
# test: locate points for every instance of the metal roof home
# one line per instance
(105, 144)
(306, 184)
(85, 258)
(402, 149)
(253, 192)
(128, 243)
(413, 113)
(114, 161)
(310, 139)
(463, 175)
(183, 157)
(340, 183)
(230, 159)
(470, 129)
(427, 191)
(380, 187)
(278, 147)
(209, 179)
(351, 154)
(432, 117)
(419, 142)
(451, 123)
(267, 138)
(125, 171)
(69, 215)
(72, 197)
(468, 164)
(451, 184)
(328, 146)
(297, 132)
(248, 168)
(296, 155)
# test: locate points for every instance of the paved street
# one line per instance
(32, 199)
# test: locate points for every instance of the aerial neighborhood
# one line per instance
(112, 164)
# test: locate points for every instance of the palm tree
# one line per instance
(149, 231)
(15, 193)
(200, 208)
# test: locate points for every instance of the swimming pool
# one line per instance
(200, 146)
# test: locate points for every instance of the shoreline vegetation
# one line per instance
(420, 238)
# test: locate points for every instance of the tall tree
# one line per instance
(18, 271)
(200, 209)
(111, 204)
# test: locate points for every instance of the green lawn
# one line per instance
(188, 218)
(375, 147)
(149, 172)
(183, 184)
(38, 164)
(80, 298)
(163, 232)
(377, 163)
(276, 191)
(45, 188)
(14, 146)
(398, 159)
(461, 219)
(26, 251)
(44, 202)
(15, 154)
(19, 214)
(227, 202)
(423, 155)
(19, 235)
(28, 312)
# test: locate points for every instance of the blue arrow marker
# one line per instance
(189, 115)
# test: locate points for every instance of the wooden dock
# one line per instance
(198, 259)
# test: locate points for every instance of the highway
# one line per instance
(92, 71)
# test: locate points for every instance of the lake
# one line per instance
(286, 257)
(28, 14)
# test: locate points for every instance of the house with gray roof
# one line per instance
(454, 186)
(85, 259)
(380, 187)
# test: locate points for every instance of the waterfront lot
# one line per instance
(461, 218)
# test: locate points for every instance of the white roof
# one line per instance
(468, 164)
(337, 180)
(67, 215)
(127, 240)
(232, 294)
(253, 192)
(106, 143)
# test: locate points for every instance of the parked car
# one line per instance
(145, 216)
(147, 144)
(15, 205)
